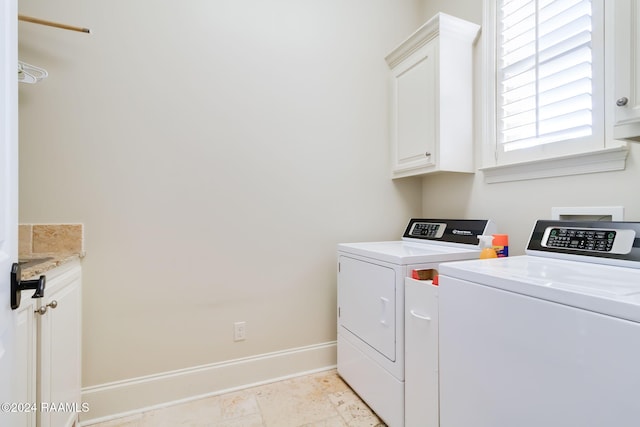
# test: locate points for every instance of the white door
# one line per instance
(8, 198)
(414, 121)
(367, 303)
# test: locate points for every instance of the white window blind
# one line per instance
(544, 72)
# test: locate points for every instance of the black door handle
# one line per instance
(18, 285)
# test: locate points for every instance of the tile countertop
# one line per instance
(51, 261)
(43, 247)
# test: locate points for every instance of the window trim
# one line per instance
(611, 157)
(602, 160)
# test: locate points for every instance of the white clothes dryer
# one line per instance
(550, 338)
(371, 278)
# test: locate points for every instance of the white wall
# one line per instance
(216, 151)
(515, 206)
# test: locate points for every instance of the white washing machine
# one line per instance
(551, 338)
(371, 304)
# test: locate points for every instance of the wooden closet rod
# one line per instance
(53, 24)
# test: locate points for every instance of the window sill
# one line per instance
(605, 160)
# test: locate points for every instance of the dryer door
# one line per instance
(366, 303)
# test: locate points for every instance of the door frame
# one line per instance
(8, 188)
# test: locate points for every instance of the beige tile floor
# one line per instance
(317, 400)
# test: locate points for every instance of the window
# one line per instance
(545, 95)
(544, 72)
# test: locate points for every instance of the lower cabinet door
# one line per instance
(60, 347)
(24, 373)
(421, 354)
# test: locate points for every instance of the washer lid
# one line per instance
(402, 252)
(605, 289)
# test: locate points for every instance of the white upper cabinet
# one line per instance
(432, 99)
(626, 45)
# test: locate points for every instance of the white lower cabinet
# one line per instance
(421, 354)
(59, 348)
(49, 346)
(25, 367)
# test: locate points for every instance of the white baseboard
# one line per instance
(136, 395)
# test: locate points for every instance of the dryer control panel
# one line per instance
(427, 229)
(605, 242)
(464, 231)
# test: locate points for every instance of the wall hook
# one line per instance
(17, 285)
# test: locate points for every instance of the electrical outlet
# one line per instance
(240, 331)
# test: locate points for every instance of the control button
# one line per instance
(581, 239)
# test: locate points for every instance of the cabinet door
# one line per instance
(421, 354)
(25, 362)
(414, 121)
(626, 43)
(60, 338)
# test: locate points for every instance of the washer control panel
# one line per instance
(603, 242)
(589, 239)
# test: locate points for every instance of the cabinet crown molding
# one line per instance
(440, 23)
